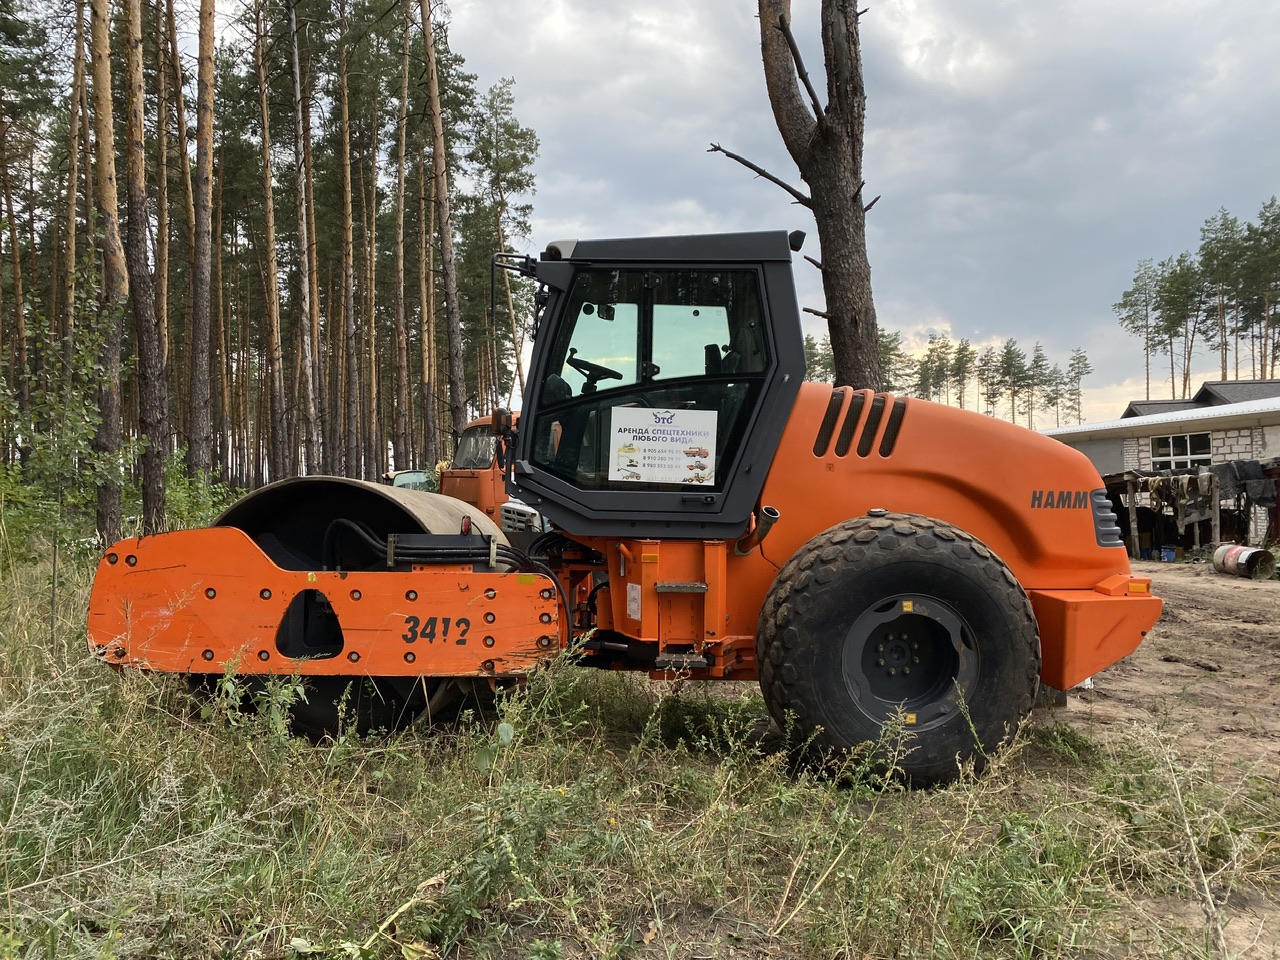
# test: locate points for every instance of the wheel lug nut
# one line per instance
(893, 672)
(880, 663)
(880, 647)
(905, 671)
(914, 645)
(915, 659)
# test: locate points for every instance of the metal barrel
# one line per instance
(1241, 561)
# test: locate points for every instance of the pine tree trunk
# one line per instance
(222, 408)
(153, 393)
(374, 447)
(178, 359)
(279, 460)
(426, 296)
(351, 458)
(330, 452)
(448, 267)
(200, 417)
(19, 304)
(162, 191)
(115, 281)
(400, 431)
(307, 395)
(73, 158)
(827, 148)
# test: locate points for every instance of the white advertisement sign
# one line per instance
(653, 445)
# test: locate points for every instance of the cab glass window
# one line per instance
(640, 357)
(476, 448)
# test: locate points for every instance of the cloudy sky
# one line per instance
(1027, 154)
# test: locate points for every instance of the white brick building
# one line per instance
(1214, 427)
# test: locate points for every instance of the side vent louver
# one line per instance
(895, 424)
(849, 425)
(823, 440)
(873, 423)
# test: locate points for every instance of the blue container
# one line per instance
(1168, 554)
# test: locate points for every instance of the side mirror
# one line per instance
(502, 423)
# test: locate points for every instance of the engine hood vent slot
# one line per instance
(848, 425)
(823, 441)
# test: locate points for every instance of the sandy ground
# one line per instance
(1209, 672)
(1208, 676)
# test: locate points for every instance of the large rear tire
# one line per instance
(899, 619)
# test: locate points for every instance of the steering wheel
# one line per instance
(594, 372)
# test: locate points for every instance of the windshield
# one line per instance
(476, 449)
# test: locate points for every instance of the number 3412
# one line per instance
(433, 628)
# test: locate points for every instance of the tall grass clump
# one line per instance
(589, 814)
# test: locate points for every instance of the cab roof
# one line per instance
(757, 247)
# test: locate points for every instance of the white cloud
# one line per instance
(1028, 154)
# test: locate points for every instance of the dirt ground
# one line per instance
(1208, 675)
(1209, 672)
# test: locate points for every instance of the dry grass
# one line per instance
(598, 815)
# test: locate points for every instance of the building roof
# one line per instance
(1217, 392)
(1212, 393)
(1250, 413)
(1143, 408)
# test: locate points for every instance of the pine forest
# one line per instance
(246, 243)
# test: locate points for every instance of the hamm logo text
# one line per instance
(1059, 499)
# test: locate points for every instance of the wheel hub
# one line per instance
(910, 654)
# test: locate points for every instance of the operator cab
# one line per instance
(663, 372)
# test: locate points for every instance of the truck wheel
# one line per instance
(899, 619)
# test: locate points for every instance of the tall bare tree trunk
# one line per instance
(453, 316)
(279, 460)
(307, 398)
(374, 449)
(825, 141)
(19, 303)
(115, 285)
(427, 297)
(517, 341)
(178, 359)
(400, 432)
(162, 190)
(200, 417)
(222, 422)
(153, 393)
(73, 159)
(351, 444)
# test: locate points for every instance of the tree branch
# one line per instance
(804, 74)
(761, 172)
(816, 263)
(874, 201)
(818, 313)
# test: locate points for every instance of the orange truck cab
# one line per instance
(475, 476)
